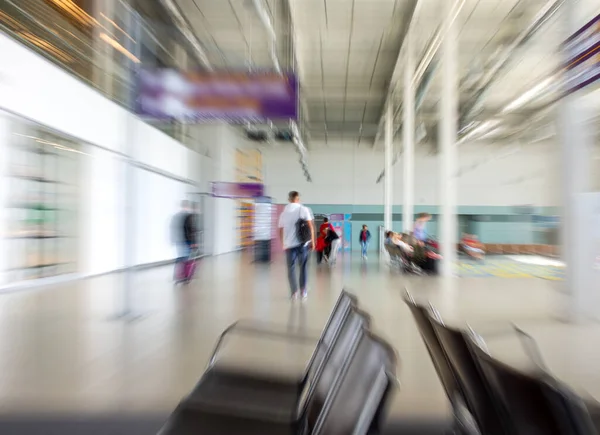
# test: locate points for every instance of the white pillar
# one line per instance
(408, 185)
(448, 149)
(388, 179)
(575, 142)
(5, 142)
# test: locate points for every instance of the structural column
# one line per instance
(130, 190)
(388, 179)
(5, 141)
(408, 185)
(577, 230)
(448, 149)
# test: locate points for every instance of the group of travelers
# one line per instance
(299, 236)
(328, 244)
(416, 250)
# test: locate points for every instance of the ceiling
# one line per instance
(347, 51)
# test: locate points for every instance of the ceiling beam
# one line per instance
(186, 30)
(424, 63)
(268, 24)
(409, 23)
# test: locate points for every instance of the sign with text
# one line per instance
(263, 214)
(583, 51)
(233, 97)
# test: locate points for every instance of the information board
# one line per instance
(191, 96)
(263, 215)
(237, 190)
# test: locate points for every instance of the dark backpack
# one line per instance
(303, 231)
(331, 236)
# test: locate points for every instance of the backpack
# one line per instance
(331, 236)
(303, 231)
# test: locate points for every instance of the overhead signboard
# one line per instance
(237, 190)
(583, 51)
(195, 97)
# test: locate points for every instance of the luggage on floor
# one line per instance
(187, 268)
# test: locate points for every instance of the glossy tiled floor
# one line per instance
(61, 352)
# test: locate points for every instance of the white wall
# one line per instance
(158, 200)
(34, 88)
(158, 150)
(102, 235)
(222, 140)
(490, 175)
(3, 193)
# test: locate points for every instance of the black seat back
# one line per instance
(536, 402)
(477, 393)
(438, 356)
(569, 409)
(320, 385)
(361, 389)
(332, 329)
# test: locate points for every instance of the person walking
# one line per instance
(297, 233)
(325, 226)
(364, 238)
(334, 242)
(183, 231)
(323, 230)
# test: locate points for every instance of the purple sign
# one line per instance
(194, 96)
(583, 52)
(237, 190)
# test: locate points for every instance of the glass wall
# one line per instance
(102, 42)
(40, 202)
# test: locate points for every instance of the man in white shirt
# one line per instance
(296, 250)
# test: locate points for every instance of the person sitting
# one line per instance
(471, 246)
(396, 239)
(419, 229)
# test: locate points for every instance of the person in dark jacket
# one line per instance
(183, 231)
(364, 238)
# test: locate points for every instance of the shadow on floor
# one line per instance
(150, 425)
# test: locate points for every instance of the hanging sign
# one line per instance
(234, 97)
(583, 51)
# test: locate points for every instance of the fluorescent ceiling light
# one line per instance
(437, 41)
(115, 44)
(491, 132)
(529, 95)
(484, 127)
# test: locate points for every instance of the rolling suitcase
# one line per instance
(188, 267)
